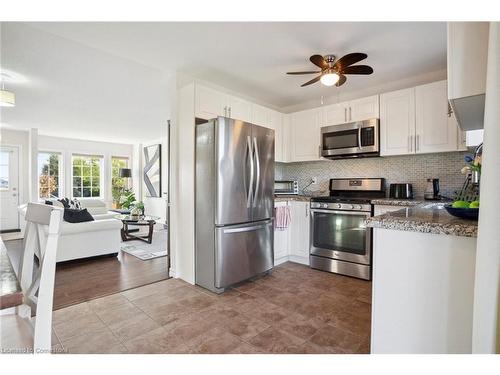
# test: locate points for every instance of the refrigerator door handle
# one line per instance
(250, 185)
(245, 229)
(257, 167)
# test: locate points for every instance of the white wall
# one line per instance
(69, 146)
(486, 328)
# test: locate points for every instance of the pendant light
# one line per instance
(7, 98)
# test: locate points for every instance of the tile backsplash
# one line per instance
(414, 169)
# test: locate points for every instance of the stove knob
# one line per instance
(353, 207)
(324, 205)
(339, 205)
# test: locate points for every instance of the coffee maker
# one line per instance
(432, 189)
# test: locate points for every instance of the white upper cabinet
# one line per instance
(335, 114)
(354, 110)
(260, 115)
(209, 103)
(305, 135)
(364, 108)
(238, 108)
(467, 63)
(435, 129)
(276, 123)
(397, 122)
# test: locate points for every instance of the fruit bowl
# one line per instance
(464, 213)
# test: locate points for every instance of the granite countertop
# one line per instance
(405, 202)
(425, 218)
(292, 197)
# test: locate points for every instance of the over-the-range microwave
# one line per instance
(354, 139)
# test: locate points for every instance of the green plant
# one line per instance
(127, 198)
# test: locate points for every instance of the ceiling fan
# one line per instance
(333, 70)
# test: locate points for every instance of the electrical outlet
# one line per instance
(314, 180)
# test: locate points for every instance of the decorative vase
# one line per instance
(136, 211)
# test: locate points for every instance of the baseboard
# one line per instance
(281, 260)
(171, 273)
(297, 259)
(291, 258)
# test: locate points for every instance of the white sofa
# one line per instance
(91, 238)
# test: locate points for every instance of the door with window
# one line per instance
(9, 188)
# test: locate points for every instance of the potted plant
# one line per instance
(138, 209)
(127, 199)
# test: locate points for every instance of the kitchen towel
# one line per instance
(283, 217)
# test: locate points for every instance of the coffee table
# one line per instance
(131, 220)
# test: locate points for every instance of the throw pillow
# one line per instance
(77, 216)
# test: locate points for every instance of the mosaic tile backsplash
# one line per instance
(414, 169)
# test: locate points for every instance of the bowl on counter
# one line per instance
(464, 213)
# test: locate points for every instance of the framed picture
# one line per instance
(152, 170)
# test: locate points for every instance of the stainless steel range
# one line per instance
(339, 241)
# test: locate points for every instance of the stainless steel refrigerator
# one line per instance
(234, 202)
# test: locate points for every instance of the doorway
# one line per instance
(9, 189)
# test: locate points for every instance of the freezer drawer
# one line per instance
(243, 251)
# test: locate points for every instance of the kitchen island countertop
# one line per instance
(425, 218)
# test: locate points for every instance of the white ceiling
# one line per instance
(73, 66)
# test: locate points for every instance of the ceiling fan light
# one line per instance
(7, 98)
(329, 79)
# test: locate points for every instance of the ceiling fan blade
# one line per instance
(357, 69)
(314, 80)
(318, 60)
(309, 72)
(349, 59)
(341, 81)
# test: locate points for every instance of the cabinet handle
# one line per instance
(319, 151)
(225, 111)
(409, 143)
(350, 114)
(418, 143)
(345, 114)
(306, 211)
(229, 112)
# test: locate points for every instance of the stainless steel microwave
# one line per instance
(355, 139)
(286, 187)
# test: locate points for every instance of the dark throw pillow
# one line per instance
(77, 216)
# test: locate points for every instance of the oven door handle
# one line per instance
(359, 138)
(357, 213)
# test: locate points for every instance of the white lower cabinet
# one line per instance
(293, 243)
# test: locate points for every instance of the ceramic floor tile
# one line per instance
(244, 327)
(215, 341)
(99, 342)
(83, 325)
(158, 341)
(70, 313)
(118, 313)
(109, 302)
(336, 339)
(275, 341)
(132, 327)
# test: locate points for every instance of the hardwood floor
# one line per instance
(84, 280)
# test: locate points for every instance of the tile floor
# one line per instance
(293, 310)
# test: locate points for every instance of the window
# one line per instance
(48, 175)
(87, 176)
(118, 184)
(4, 170)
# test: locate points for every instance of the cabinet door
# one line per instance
(435, 132)
(335, 114)
(260, 115)
(281, 240)
(397, 122)
(209, 103)
(299, 230)
(239, 109)
(305, 135)
(364, 109)
(276, 123)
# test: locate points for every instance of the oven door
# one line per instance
(340, 235)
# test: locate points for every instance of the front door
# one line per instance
(9, 188)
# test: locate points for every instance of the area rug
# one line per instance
(145, 251)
